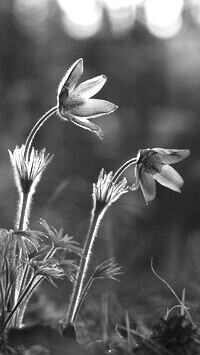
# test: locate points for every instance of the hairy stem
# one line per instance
(78, 287)
(23, 211)
(123, 168)
(21, 224)
(35, 129)
(23, 305)
(83, 294)
(14, 309)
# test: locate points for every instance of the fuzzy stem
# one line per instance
(18, 303)
(83, 294)
(2, 292)
(123, 168)
(21, 311)
(23, 212)
(77, 290)
(21, 224)
(35, 129)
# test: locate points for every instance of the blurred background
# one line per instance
(150, 52)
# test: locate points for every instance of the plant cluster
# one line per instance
(29, 256)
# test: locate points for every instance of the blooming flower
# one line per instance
(28, 172)
(75, 103)
(154, 164)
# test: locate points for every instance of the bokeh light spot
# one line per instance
(164, 17)
(121, 4)
(195, 10)
(32, 14)
(121, 13)
(81, 19)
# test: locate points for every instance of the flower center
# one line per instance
(149, 160)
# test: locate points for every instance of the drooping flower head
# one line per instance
(154, 164)
(75, 103)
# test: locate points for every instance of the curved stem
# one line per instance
(77, 291)
(35, 129)
(123, 168)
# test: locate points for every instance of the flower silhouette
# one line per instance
(75, 103)
(154, 164)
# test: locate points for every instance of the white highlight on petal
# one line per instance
(90, 87)
(171, 156)
(170, 178)
(93, 108)
(71, 76)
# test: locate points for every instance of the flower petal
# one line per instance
(71, 77)
(86, 124)
(171, 156)
(90, 87)
(170, 178)
(148, 186)
(93, 108)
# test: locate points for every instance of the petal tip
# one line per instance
(149, 201)
(104, 77)
(187, 152)
(113, 107)
(99, 133)
(79, 63)
(80, 60)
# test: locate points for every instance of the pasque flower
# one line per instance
(154, 164)
(75, 103)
